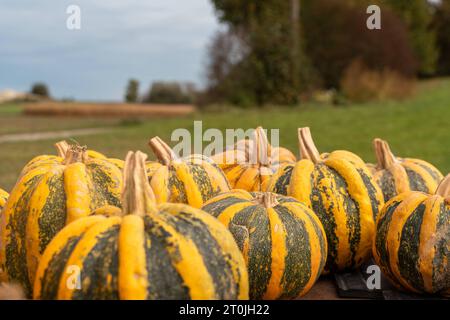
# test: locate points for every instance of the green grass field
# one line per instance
(418, 127)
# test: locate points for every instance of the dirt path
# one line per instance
(19, 137)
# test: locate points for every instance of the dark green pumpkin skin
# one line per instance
(251, 225)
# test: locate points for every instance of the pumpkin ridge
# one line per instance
(80, 253)
(100, 266)
(297, 239)
(54, 270)
(328, 222)
(13, 234)
(157, 240)
(47, 216)
(209, 249)
(393, 240)
(408, 250)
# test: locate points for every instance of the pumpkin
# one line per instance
(396, 175)
(144, 251)
(190, 180)
(3, 197)
(251, 163)
(283, 242)
(51, 192)
(339, 188)
(412, 244)
(62, 148)
(244, 149)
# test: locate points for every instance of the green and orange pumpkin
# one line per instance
(190, 180)
(412, 243)
(283, 242)
(144, 251)
(51, 192)
(397, 175)
(250, 164)
(339, 188)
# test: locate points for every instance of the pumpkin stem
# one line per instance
(443, 189)
(137, 195)
(75, 154)
(62, 147)
(383, 153)
(267, 199)
(162, 151)
(262, 147)
(308, 149)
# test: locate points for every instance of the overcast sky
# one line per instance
(145, 39)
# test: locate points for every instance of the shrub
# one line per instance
(40, 89)
(360, 84)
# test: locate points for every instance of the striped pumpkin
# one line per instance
(63, 147)
(3, 197)
(145, 251)
(51, 192)
(251, 163)
(396, 175)
(283, 242)
(412, 244)
(191, 180)
(340, 190)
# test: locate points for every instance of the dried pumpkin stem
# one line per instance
(162, 150)
(384, 155)
(267, 199)
(262, 147)
(308, 149)
(75, 154)
(62, 147)
(137, 196)
(443, 189)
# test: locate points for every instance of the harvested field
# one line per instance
(72, 109)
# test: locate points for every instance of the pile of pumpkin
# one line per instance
(79, 225)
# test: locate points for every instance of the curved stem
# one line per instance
(162, 150)
(383, 153)
(443, 189)
(308, 149)
(137, 195)
(62, 147)
(267, 199)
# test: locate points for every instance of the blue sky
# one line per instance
(145, 39)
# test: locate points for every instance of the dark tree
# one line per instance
(272, 67)
(132, 91)
(40, 89)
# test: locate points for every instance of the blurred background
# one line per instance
(135, 69)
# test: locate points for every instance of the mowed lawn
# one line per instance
(418, 127)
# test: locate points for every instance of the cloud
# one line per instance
(148, 40)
